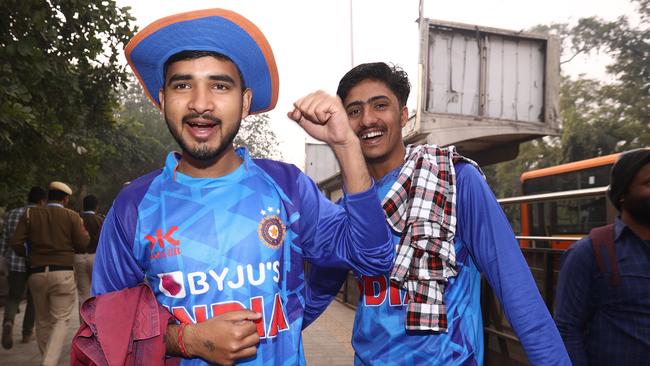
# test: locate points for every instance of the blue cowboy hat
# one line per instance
(217, 30)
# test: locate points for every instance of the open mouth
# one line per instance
(370, 136)
(201, 129)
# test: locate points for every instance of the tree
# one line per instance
(598, 118)
(258, 137)
(137, 144)
(59, 68)
(629, 47)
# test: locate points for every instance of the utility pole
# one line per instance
(419, 87)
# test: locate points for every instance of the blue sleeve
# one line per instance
(323, 284)
(484, 228)
(115, 266)
(348, 236)
(573, 307)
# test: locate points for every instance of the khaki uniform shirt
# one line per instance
(52, 233)
(93, 223)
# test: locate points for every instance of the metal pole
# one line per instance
(420, 79)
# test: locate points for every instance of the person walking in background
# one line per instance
(18, 272)
(84, 258)
(448, 229)
(602, 304)
(53, 233)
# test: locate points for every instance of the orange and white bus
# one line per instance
(566, 200)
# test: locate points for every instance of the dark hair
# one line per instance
(624, 171)
(90, 202)
(393, 76)
(56, 195)
(36, 195)
(191, 55)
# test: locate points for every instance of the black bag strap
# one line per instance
(603, 238)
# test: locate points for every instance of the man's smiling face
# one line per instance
(377, 118)
(203, 104)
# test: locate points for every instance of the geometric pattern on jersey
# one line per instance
(211, 245)
(202, 253)
(381, 315)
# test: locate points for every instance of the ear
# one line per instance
(247, 96)
(404, 116)
(161, 98)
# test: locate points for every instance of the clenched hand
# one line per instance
(224, 339)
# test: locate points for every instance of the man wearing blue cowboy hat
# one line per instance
(221, 237)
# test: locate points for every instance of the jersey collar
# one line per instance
(174, 158)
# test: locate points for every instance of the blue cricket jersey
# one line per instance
(484, 242)
(211, 245)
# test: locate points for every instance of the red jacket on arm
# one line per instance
(125, 327)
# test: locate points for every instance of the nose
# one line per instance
(201, 100)
(367, 117)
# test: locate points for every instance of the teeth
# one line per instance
(372, 134)
(195, 124)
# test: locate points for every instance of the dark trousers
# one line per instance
(17, 287)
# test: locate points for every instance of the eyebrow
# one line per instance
(184, 77)
(179, 77)
(222, 77)
(360, 102)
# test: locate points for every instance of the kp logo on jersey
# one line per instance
(171, 284)
(161, 251)
(271, 230)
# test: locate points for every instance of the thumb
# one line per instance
(295, 115)
(241, 315)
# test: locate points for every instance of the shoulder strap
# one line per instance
(603, 238)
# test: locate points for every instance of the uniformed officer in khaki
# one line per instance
(52, 234)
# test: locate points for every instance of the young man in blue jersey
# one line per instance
(221, 237)
(448, 229)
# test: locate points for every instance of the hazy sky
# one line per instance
(311, 38)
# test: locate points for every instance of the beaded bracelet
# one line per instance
(179, 338)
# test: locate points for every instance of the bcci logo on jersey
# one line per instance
(271, 230)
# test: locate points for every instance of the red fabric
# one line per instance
(124, 327)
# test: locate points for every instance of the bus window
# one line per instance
(566, 216)
(580, 179)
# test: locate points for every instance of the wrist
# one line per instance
(180, 340)
(188, 341)
(350, 143)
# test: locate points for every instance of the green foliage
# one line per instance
(59, 69)
(537, 154)
(599, 118)
(137, 144)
